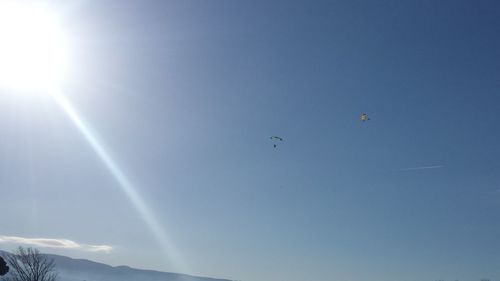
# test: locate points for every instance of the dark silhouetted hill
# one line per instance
(70, 269)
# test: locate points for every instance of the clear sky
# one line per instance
(184, 96)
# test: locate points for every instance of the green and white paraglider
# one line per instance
(276, 139)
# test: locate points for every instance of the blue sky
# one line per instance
(184, 96)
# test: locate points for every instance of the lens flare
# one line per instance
(125, 184)
(33, 58)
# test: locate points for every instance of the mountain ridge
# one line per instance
(73, 269)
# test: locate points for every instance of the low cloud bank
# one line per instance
(54, 243)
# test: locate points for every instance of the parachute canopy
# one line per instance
(275, 139)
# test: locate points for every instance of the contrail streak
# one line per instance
(422, 168)
(127, 187)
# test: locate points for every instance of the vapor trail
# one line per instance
(422, 168)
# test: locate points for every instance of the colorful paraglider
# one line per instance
(364, 117)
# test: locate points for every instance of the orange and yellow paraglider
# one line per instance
(364, 117)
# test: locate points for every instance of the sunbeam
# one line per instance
(125, 184)
(33, 59)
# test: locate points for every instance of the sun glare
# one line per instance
(33, 59)
(32, 48)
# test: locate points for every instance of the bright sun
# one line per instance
(32, 47)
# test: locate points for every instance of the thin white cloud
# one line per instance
(423, 168)
(99, 248)
(54, 243)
